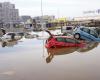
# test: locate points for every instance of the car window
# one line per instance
(10, 34)
(60, 39)
(68, 28)
(85, 30)
(71, 40)
(93, 33)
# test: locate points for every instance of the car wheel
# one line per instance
(53, 46)
(77, 36)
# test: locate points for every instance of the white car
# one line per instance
(11, 36)
(67, 29)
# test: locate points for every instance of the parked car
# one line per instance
(11, 36)
(63, 41)
(86, 34)
(67, 29)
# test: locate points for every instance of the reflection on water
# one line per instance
(9, 44)
(89, 46)
(59, 51)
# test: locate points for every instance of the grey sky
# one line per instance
(59, 8)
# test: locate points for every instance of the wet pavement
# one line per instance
(28, 59)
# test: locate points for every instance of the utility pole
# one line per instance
(42, 19)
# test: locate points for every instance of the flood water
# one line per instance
(28, 59)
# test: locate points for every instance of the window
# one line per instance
(71, 40)
(68, 28)
(93, 33)
(85, 30)
(61, 39)
(11, 34)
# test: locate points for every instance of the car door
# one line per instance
(60, 41)
(93, 35)
(85, 33)
(70, 42)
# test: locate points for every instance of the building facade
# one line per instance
(41, 21)
(9, 15)
(26, 21)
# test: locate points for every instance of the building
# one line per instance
(89, 18)
(26, 21)
(95, 17)
(9, 15)
(40, 21)
(24, 18)
(57, 23)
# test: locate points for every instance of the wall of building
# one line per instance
(8, 14)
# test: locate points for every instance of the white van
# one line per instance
(67, 29)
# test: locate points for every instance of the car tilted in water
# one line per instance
(86, 34)
(63, 41)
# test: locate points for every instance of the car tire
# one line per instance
(77, 36)
(53, 46)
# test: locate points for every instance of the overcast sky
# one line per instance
(59, 8)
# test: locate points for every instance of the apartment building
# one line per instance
(9, 15)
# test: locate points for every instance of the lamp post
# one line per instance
(42, 16)
(42, 22)
(41, 9)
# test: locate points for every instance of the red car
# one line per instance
(63, 41)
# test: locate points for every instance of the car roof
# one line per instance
(63, 37)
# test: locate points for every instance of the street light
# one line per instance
(42, 26)
(42, 16)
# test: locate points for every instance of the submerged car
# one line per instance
(11, 36)
(86, 34)
(63, 41)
